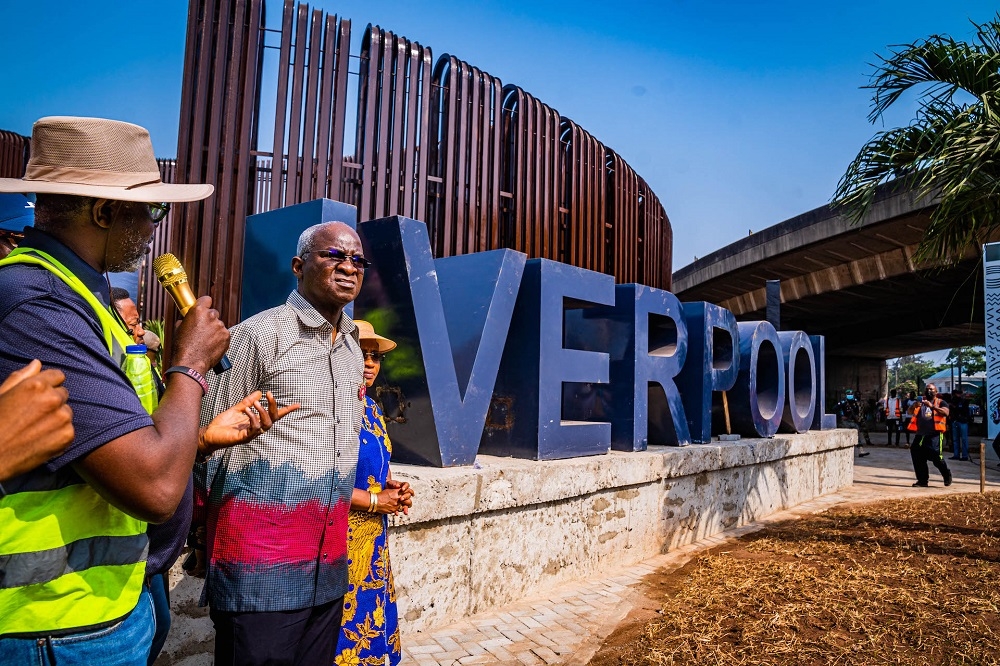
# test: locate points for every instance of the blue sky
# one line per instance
(738, 114)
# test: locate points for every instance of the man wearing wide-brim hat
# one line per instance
(73, 542)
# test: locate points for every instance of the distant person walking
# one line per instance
(960, 426)
(929, 416)
(893, 412)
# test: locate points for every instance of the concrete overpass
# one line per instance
(859, 285)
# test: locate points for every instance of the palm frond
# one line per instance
(902, 154)
(988, 34)
(950, 151)
(942, 64)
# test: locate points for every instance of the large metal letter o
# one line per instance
(758, 396)
(800, 405)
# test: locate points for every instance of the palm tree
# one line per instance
(950, 151)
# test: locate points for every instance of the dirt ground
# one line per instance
(913, 581)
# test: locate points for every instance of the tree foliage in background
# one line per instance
(951, 148)
(906, 372)
(156, 326)
(973, 359)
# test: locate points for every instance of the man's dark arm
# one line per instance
(145, 472)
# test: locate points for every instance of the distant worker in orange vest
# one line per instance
(893, 412)
(929, 423)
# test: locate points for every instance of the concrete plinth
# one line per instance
(481, 538)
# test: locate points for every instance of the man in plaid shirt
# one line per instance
(276, 508)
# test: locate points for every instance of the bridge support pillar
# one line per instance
(866, 377)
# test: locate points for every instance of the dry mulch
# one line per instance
(913, 581)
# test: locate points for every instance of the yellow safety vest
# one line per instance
(68, 558)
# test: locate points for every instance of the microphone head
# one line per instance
(169, 270)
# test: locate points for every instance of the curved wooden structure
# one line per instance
(485, 164)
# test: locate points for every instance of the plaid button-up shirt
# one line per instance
(276, 508)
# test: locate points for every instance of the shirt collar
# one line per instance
(94, 281)
(311, 317)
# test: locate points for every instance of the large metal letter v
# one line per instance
(450, 317)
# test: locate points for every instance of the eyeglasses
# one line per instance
(158, 211)
(375, 356)
(339, 257)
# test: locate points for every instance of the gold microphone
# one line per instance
(174, 279)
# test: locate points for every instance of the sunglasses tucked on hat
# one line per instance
(367, 332)
(96, 157)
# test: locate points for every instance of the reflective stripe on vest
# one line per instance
(68, 558)
(940, 420)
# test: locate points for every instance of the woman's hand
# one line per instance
(403, 497)
(394, 500)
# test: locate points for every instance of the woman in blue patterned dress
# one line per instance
(370, 631)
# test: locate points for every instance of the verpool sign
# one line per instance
(504, 355)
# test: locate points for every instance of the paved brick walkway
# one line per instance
(568, 625)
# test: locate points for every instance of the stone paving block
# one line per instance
(491, 632)
(447, 632)
(564, 612)
(530, 622)
(473, 648)
(447, 642)
(575, 628)
(560, 636)
(529, 658)
(429, 648)
(425, 660)
(477, 659)
(451, 656)
(564, 626)
(547, 655)
(622, 580)
(538, 638)
(548, 605)
(512, 634)
(502, 654)
(544, 613)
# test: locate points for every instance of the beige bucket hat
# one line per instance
(367, 332)
(96, 157)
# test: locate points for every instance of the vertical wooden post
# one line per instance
(725, 410)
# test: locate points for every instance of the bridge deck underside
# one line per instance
(861, 288)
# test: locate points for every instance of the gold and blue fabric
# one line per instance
(370, 631)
